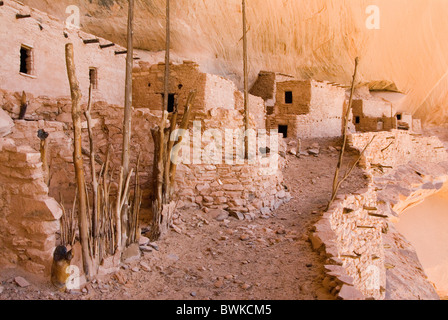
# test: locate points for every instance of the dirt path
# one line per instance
(261, 259)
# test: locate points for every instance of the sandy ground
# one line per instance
(261, 259)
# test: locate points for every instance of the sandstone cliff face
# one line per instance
(309, 39)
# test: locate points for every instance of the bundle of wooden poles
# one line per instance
(165, 166)
(107, 218)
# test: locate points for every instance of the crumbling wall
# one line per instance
(355, 242)
(389, 150)
(29, 218)
(357, 232)
(47, 37)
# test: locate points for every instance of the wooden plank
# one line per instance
(104, 46)
(88, 41)
(22, 16)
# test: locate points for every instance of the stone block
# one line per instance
(6, 123)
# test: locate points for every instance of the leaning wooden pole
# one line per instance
(246, 84)
(77, 157)
(128, 91)
(346, 119)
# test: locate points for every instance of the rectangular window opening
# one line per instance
(380, 125)
(399, 117)
(93, 77)
(288, 97)
(171, 101)
(26, 60)
(357, 119)
(283, 130)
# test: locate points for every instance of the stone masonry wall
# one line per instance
(366, 256)
(107, 129)
(29, 218)
(252, 188)
(397, 147)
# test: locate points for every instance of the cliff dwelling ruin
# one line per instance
(139, 163)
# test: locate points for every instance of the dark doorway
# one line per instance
(283, 130)
(288, 97)
(357, 119)
(25, 60)
(399, 117)
(171, 101)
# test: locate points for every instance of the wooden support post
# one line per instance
(161, 187)
(77, 157)
(127, 114)
(246, 85)
(128, 92)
